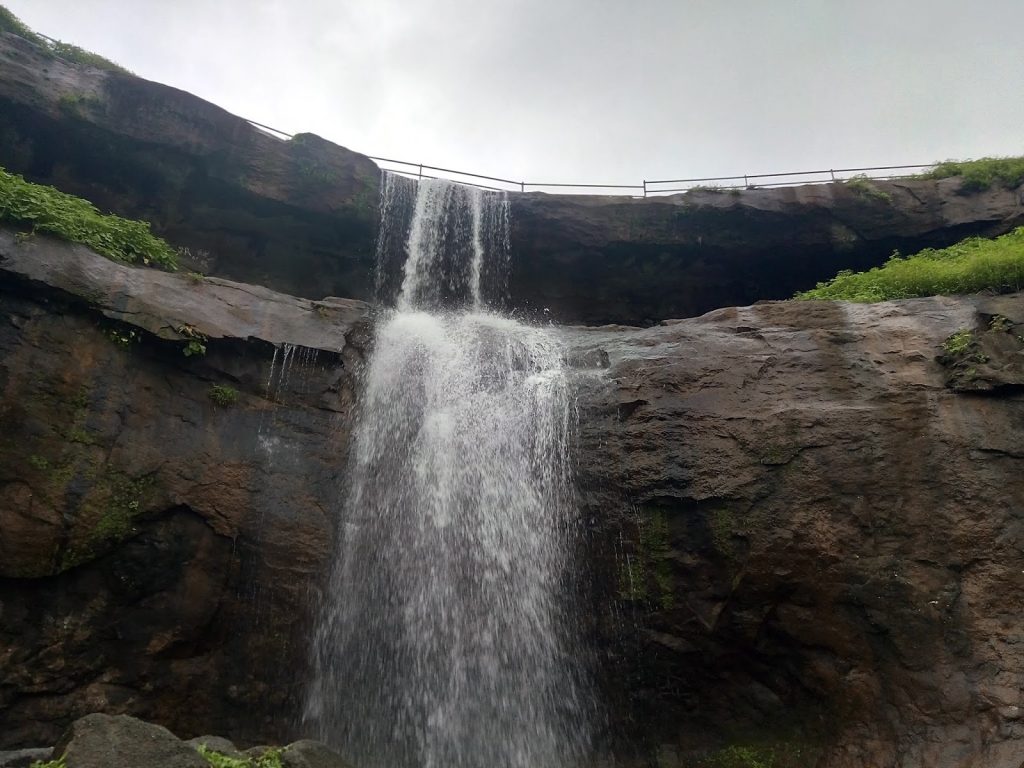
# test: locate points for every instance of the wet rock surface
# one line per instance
(166, 518)
(806, 538)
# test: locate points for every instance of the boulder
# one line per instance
(103, 741)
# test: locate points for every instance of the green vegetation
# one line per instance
(783, 755)
(958, 342)
(647, 575)
(983, 173)
(269, 759)
(55, 48)
(223, 396)
(45, 209)
(196, 344)
(61, 761)
(863, 186)
(12, 24)
(970, 266)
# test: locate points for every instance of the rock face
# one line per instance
(808, 542)
(805, 537)
(595, 260)
(165, 517)
(301, 216)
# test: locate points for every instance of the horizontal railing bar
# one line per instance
(601, 186)
(791, 173)
(267, 127)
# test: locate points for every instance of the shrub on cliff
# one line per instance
(11, 23)
(970, 266)
(45, 209)
(983, 173)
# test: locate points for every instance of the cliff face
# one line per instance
(596, 260)
(162, 538)
(301, 216)
(809, 540)
(804, 530)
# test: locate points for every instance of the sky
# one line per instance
(589, 91)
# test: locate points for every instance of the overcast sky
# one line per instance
(589, 90)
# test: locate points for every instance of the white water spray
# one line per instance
(447, 639)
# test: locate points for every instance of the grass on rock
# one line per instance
(982, 174)
(971, 266)
(45, 209)
(56, 48)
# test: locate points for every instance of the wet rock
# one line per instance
(804, 537)
(159, 548)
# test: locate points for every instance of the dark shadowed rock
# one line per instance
(24, 758)
(601, 259)
(298, 215)
(105, 741)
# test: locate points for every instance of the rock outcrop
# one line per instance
(301, 216)
(595, 260)
(809, 542)
(165, 517)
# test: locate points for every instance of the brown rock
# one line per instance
(806, 537)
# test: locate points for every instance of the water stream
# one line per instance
(447, 638)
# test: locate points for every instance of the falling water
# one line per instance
(447, 639)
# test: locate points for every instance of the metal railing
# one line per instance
(648, 187)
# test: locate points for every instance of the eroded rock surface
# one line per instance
(808, 539)
(162, 542)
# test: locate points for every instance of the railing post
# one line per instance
(831, 171)
(746, 181)
(645, 187)
(421, 171)
(522, 186)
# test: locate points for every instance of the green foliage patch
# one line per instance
(46, 209)
(60, 762)
(864, 187)
(971, 266)
(12, 24)
(983, 173)
(223, 396)
(269, 759)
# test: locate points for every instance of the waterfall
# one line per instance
(447, 638)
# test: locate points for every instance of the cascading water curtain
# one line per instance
(447, 638)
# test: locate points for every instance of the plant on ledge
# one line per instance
(45, 209)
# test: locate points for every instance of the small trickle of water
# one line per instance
(448, 638)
